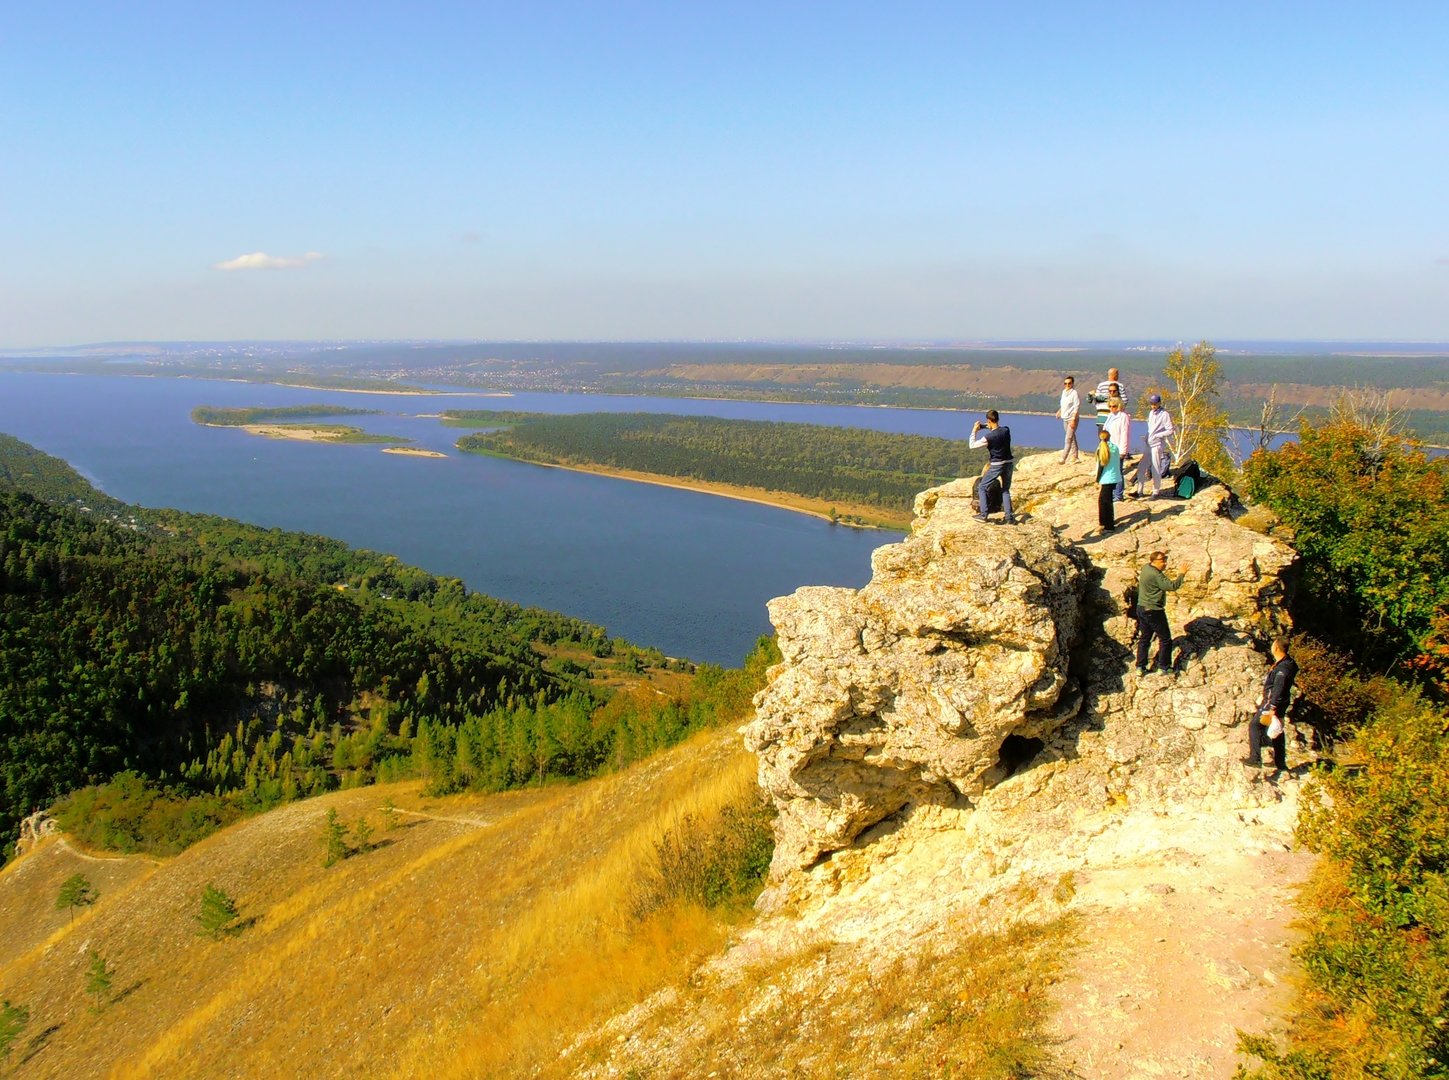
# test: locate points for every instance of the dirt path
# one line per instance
(64, 844)
(1176, 957)
(476, 823)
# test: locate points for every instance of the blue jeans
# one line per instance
(1001, 469)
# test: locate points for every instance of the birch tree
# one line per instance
(1200, 419)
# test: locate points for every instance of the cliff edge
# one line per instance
(968, 732)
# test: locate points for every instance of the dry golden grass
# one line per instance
(483, 936)
(962, 1004)
(578, 954)
(409, 947)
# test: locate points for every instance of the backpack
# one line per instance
(993, 495)
(1129, 609)
(1186, 478)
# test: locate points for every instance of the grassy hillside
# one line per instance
(481, 936)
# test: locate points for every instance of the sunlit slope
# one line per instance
(479, 933)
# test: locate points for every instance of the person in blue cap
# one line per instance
(1158, 458)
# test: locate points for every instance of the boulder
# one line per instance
(981, 650)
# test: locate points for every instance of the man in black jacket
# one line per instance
(997, 441)
(1267, 725)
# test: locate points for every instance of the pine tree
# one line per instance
(76, 891)
(218, 910)
(390, 814)
(362, 835)
(98, 978)
(334, 840)
(13, 1019)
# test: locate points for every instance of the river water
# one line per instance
(687, 572)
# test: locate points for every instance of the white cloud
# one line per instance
(260, 260)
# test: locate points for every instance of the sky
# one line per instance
(781, 171)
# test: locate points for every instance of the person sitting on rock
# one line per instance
(997, 441)
(1153, 585)
(1267, 723)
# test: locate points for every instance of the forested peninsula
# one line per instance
(192, 669)
(848, 474)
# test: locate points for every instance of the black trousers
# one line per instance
(1258, 736)
(1106, 515)
(1154, 624)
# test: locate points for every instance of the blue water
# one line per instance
(686, 572)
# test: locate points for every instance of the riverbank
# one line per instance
(862, 517)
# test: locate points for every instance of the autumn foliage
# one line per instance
(1369, 512)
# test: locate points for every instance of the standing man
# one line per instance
(1153, 585)
(1070, 411)
(1267, 724)
(1119, 427)
(997, 441)
(1109, 387)
(1155, 460)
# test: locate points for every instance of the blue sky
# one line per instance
(799, 171)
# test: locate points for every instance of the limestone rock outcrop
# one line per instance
(33, 830)
(979, 652)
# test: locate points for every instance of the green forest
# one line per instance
(869, 468)
(190, 668)
(215, 416)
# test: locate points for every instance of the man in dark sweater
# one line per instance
(1153, 585)
(997, 441)
(1267, 724)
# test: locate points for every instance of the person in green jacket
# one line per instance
(1153, 585)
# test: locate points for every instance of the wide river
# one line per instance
(684, 571)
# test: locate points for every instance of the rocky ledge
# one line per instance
(989, 667)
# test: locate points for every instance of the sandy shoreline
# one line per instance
(412, 451)
(800, 504)
(283, 431)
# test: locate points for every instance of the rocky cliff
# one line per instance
(983, 652)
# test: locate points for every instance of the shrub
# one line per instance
(132, 814)
(217, 913)
(1377, 953)
(712, 862)
(13, 1019)
(1335, 697)
(1370, 517)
